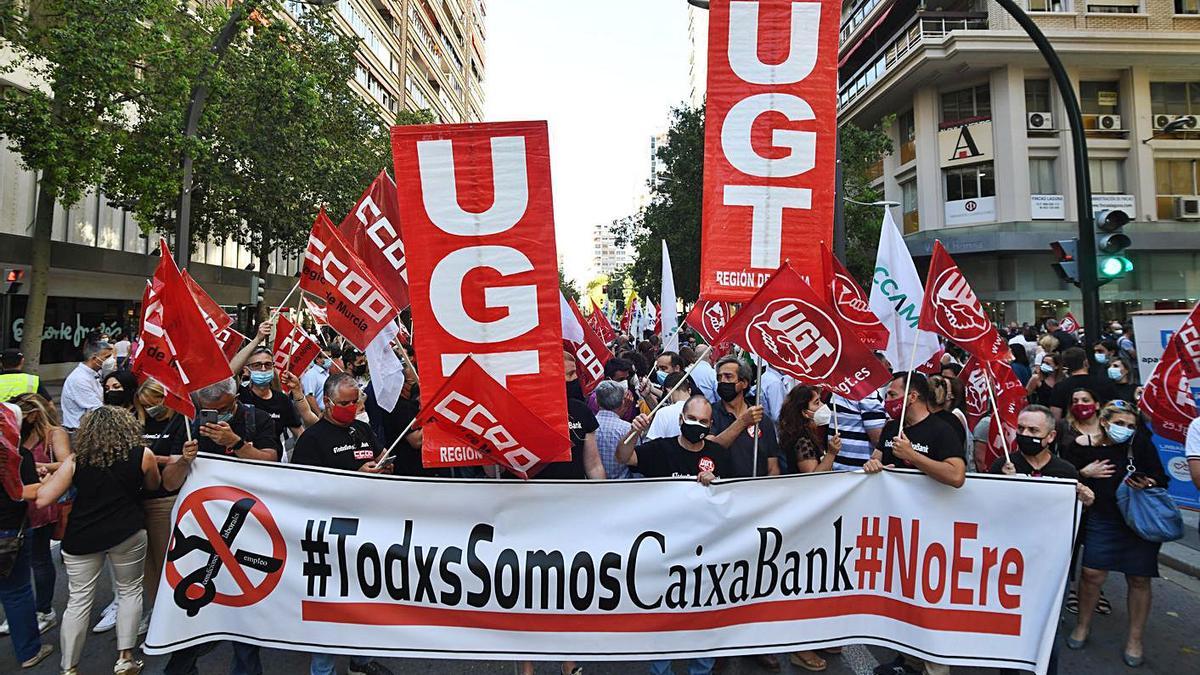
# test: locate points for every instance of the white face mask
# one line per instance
(822, 416)
(109, 365)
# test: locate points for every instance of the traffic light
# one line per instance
(1111, 243)
(258, 289)
(13, 278)
(1067, 268)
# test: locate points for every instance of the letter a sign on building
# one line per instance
(770, 143)
(483, 272)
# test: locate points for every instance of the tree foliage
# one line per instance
(860, 150)
(673, 214)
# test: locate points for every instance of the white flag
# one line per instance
(896, 294)
(571, 330)
(387, 370)
(670, 319)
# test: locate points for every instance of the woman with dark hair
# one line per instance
(1020, 362)
(1040, 386)
(120, 386)
(1120, 373)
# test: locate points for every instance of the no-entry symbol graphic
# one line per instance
(198, 588)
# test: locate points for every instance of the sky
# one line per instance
(604, 74)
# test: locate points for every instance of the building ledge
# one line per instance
(1035, 237)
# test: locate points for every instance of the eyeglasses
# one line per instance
(1123, 405)
(261, 366)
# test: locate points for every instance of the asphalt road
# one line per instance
(1172, 646)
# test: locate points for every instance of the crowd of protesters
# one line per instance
(101, 467)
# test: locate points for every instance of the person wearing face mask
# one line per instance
(665, 423)
(81, 390)
(1123, 454)
(1041, 384)
(803, 421)
(1120, 373)
(733, 383)
(618, 370)
(119, 389)
(571, 371)
(692, 453)
(287, 407)
(313, 380)
(920, 441)
(1081, 420)
(1076, 364)
(1103, 354)
(240, 430)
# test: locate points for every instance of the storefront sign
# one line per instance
(967, 211)
(1047, 207)
(1125, 203)
(69, 321)
(966, 144)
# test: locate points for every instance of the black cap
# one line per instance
(11, 358)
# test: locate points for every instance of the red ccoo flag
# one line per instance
(356, 303)
(787, 325)
(590, 355)
(202, 362)
(1167, 397)
(474, 408)
(851, 304)
(1187, 343)
(372, 229)
(294, 349)
(155, 356)
(600, 324)
(950, 308)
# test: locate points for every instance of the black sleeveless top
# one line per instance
(108, 505)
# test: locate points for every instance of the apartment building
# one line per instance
(983, 156)
(607, 256)
(414, 54)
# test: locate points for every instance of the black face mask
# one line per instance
(727, 391)
(575, 390)
(1029, 445)
(26, 429)
(359, 371)
(121, 399)
(694, 432)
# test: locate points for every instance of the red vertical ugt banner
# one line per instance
(483, 278)
(770, 143)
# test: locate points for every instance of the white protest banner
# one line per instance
(328, 561)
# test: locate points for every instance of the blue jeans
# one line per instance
(326, 664)
(16, 595)
(695, 667)
(44, 574)
(245, 660)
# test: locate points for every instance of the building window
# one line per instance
(971, 182)
(1187, 6)
(1174, 178)
(1108, 176)
(1115, 7)
(1037, 96)
(1046, 6)
(908, 204)
(966, 104)
(1175, 98)
(1100, 98)
(908, 137)
(1042, 178)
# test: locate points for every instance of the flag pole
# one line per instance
(284, 302)
(388, 453)
(686, 374)
(757, 431)
(996, 413)
(912, 363)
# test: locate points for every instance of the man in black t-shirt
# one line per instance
(925, 442)
(1076, 362)
(240, 430)
(339, 440)
(691, 453)
(585, 455)
(1033, 457)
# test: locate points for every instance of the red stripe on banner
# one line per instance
(930, 618)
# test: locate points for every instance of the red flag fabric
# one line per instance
(787, 325)
(708, 318)
(216, 318)
(600, 324)
(294, 350)
(372, 229)
(230, 342)
(934, 365)
(627, 318)
(1069, 323)
(1187, 343)
(851, 304)
(155, 356)
(976, 377)
(475, 200)
(770, 146)
(318, 312)
(202, 362)
(950, 308)
(1167, 397)
(10, 457)
(358, 306)
(590, 355)
(493, 423)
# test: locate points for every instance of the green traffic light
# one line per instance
(1113, 267)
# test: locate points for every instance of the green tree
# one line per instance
(860, 150)
(282, 135)
(86, 58)
(673, 214)
(420, 116)
(567, 286)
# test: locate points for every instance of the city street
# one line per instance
(1172, 645)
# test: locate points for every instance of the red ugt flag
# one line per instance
(472, 407)
(1069, 323)
(199, 356)
(851, 304)
(1187, 343)
(708, 318)
(294, 349)
(356, 303)
(372, 229)
(790, 328)
(950, 308)
(591, 354)
(1167, 397)
(600, 324)
(155, 356)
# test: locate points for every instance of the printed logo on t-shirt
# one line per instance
(364, 454)
(919, 447)
(706, 464)
(343, 448)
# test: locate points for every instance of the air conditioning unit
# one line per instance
(1039, 121)
(1190, 122)
(1108, 122)
(1161, 121)
(1187, 208)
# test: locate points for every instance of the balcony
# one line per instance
(908, 40)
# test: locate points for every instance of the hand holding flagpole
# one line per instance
(667, 395)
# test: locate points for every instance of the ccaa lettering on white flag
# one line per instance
(320, 562)
(896, 293)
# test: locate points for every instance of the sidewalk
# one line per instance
(1184, 555)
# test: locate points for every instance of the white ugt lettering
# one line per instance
(440, 193)
(801, 145)
(520, 301)
(766, 225)
(743, 44)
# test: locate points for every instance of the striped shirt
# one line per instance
(611, 432)
(854, 420)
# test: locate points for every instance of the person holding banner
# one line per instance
(1109, 544)
(920, 440)
(803, 420)
(239, 429)
(756, 452)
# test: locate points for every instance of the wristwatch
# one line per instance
(238, 446)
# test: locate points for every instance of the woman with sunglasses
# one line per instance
(1123, 453)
